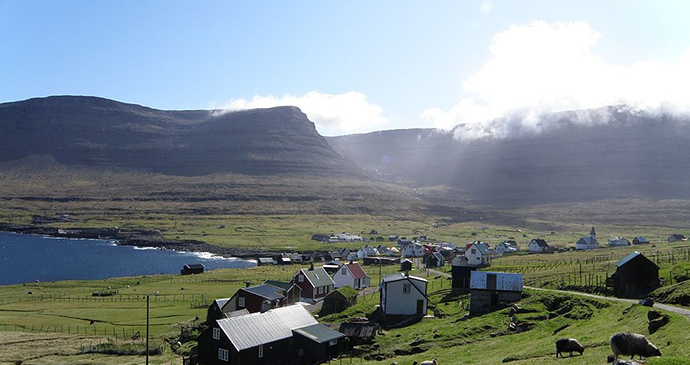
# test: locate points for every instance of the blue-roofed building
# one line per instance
(635, 277)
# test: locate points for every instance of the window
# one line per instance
(223, 354)
(316, 276)
(300, 278)
(333, 342)
(240, 302)
(261, 351)
(344, 271)
(216, 333)
(318, 290)
(406, 288)
(474, 251)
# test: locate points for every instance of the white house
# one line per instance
(367, 251)
(588, 243)
(412, 250)
(478, 254)
(344, 237)
(351, 275)
(618, 241)
(505, 247)
(403, 295)
(538, 245)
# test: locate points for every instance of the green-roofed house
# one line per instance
(318, 342)
(314, 282)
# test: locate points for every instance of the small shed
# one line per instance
(318, 343)
(461, 277)
(635, 276)
(435, 260)
(284, 260)
(263, 261)
(405, 265)
(190, 269)
(339, 300)
(676, 238)
(491, 290)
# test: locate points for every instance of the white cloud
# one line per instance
(486, 7)
(333, 114)
(540, 68)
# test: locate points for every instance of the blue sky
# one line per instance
(353, 66)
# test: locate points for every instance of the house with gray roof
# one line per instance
(314, 282)
(478, 254)
(282, 335)
(403, 295)
(259, 298)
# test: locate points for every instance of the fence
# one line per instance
(111, 298)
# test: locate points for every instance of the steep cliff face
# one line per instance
(627, 155)
(93, 131)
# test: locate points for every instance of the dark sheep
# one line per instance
(568, 345)
(632, 344)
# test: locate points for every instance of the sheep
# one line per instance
(632, 344)
(428, 362)
(569, 345)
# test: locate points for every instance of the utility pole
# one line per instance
(148, 296)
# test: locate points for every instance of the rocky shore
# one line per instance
(139, 238)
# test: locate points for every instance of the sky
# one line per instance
(355, 66)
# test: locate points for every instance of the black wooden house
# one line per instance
(190, 269)
(635, 277)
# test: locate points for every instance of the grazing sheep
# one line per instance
(632, 344)
(569, 345)
(428, 362)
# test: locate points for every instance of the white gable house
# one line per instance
(412, 250)
(403, 295)
(351, 275)
(478, 254)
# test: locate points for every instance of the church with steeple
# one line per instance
(588, 243)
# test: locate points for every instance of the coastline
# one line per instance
(137, 238)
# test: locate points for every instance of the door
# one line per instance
(420, 307)
(491, 281)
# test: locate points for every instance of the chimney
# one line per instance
(311, 266)
(247, 284)
(407, 274)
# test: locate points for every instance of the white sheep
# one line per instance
(428, 362)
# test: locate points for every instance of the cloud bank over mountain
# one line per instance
(540, 68)
(333, 114)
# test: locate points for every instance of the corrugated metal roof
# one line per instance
(400, 276)
(319, 333)
(261, 328)
(237, 313)
(627, 258)
(318, 277)
(504, 281)
(269, 292)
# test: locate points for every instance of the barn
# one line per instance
(635, 276)
(490, 290)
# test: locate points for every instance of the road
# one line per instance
(664, 307)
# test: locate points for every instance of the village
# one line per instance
(278, 321)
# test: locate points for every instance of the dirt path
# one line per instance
(665, 307)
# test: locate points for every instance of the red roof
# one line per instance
(356, 270)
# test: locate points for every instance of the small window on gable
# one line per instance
(407, 288)
(474, 251)
(300, 278)
(216, 333)
(240, 302)
(333, 342)
(344, 271)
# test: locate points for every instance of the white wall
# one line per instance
(398, 303)
(504, 281)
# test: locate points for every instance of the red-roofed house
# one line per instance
(351, 275)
